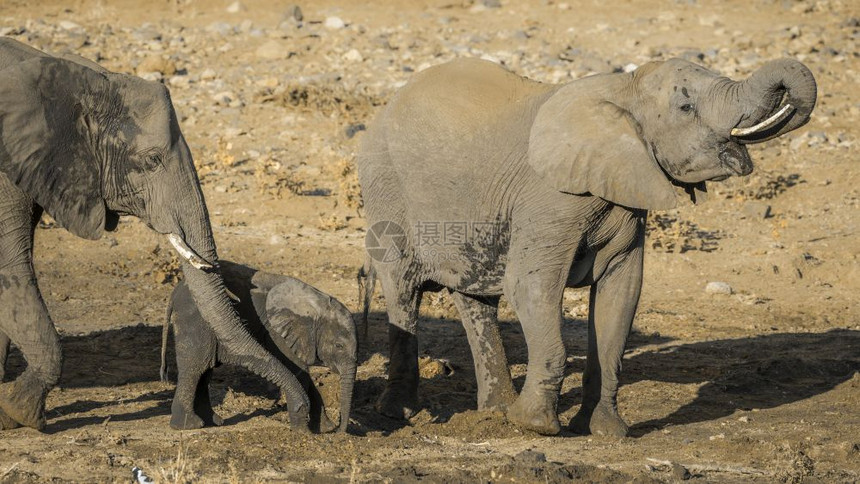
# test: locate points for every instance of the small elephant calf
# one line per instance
(297, 323)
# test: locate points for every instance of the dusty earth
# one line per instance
(761, 384)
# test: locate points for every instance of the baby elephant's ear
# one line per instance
(582, 142)
(45, 139)
(294, 317)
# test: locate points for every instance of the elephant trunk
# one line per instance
(777, 98)
(190, 233)
(347, 383)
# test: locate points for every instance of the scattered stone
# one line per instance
(208, 74)
(529, 456)
(353, 55)
(717, 287)
(227, 98)
(334, 23)
(236, 7)
(744, 419)
(353, 129)
(757, 210)
(293, 12)
(157, 63)
(69, 25)
(277, 240)
(680, 472)
(272, 50)
(492, 3)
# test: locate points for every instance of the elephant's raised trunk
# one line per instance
(347, 383)
(777, 98)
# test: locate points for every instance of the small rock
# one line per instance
(353, 129)
(272, 50)
(221, 189)
(630, 67)
(69, 25)
(156, 63)
(226, 98)
(757, 210)
(334, 23)
(680, 472)
(208, 74)
(530, 457)
(717, 287)
(744, 419)
(293, 12)
(492, 3)
(353, 55)
(277, 240)
(236, 7)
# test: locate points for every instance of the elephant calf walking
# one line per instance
(297, 323)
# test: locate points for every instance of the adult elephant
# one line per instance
(87, 145)
(485, 183)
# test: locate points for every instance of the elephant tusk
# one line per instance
(767, 123)
(186, 252)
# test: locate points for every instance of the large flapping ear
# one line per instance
(294, 317)
(582, 141)
(45, 139)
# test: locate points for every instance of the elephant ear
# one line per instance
(583, 142)
(294, 317)
(44, 139)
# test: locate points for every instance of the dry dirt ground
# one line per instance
(759, 385)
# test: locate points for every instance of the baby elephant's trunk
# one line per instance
(347, 382)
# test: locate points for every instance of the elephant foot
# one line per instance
(326, 425)
(600, 420)
(397, 404)
(22, 402)
(537, 415)
(182, 419)
(6, 423)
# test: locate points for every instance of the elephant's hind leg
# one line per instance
(23, 315)
(400, 397)
(495, 389)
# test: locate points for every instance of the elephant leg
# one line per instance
(612, 306)
(400, 397)
(184, 408)
(4, 353)
(318, 417)
(195, 357)
(495, 388)
(536, 298)
(24, 317)
(202, 403)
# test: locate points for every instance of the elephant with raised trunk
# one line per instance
(299, 324)
(500, 185)
(87, 145)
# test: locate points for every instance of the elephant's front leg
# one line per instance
(536, 298)
(25, 320)
(612, 305)
(479, 316)
(400, 397)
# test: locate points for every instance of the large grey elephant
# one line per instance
(87, 145)
(486, 183)
(298, 323)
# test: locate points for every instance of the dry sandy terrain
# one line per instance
(759, 385)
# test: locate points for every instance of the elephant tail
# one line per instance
(366, 278)
(164, 335)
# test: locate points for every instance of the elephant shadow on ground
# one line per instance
(764, 371)
(757, 372)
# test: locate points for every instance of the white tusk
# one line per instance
(186, 252)
(767, 123)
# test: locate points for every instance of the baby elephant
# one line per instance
(297, 323)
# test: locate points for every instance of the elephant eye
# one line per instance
(153, 160)
(687, 108)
